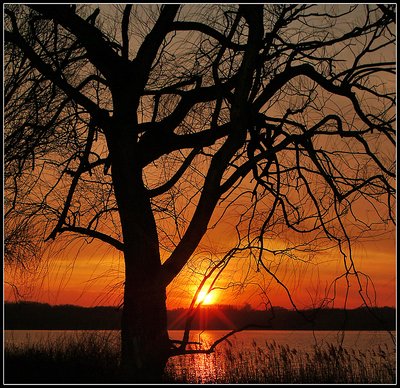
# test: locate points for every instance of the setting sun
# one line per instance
(206, 298)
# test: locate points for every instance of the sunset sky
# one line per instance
(91, 275)
(73, 271)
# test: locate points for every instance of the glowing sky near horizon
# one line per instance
(93, 275)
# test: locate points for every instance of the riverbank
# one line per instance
(93, 359)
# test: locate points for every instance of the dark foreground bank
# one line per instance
(93, 360)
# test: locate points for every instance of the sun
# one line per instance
(205, 298)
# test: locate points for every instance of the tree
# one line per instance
(134, 124)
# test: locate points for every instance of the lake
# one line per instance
(258, 354)
(303, 339)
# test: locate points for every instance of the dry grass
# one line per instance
(88, 358)
(274, 363)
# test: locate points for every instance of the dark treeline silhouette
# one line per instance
(39, 316)
(42, 316)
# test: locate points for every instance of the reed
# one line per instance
(85, 358)
(93, 358)
(272, 363)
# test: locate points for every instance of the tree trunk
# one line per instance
(144, 335)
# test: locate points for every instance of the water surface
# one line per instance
(302, 339)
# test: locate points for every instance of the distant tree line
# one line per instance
(39, 316)
(42, 316)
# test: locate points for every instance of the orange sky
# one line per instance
(90, 275)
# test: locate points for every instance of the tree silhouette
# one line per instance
(132, 124)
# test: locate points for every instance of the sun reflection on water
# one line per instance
(199, 368)
(241, 360)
